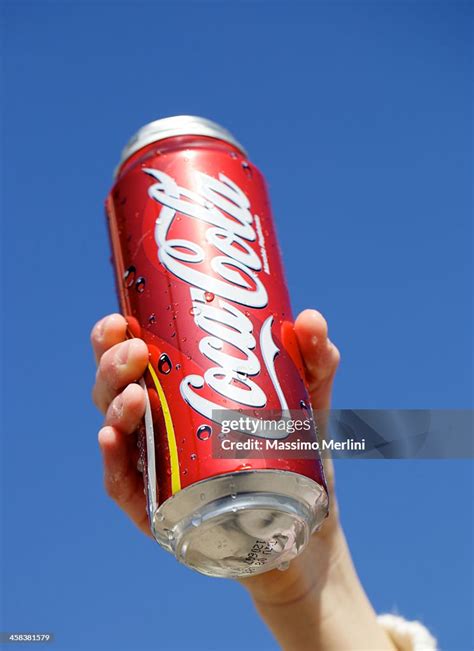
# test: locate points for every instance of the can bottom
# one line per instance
(241, 524)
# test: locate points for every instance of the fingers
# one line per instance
(122, 481)
(106, 333)
(119, 366)
(321, 359)
(121, 362)
(127, 409)
(320, 356)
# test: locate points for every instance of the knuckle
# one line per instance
(107, 370)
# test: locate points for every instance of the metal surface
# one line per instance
(178, 125)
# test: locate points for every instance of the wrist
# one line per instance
(319, 603)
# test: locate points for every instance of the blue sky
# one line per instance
(359, 114)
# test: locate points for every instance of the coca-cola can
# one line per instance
(199, 277)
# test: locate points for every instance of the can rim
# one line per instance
(176, 125)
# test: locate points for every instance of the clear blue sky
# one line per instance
(359, 115)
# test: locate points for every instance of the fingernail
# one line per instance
(123, 353)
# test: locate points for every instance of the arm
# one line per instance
(318, 603)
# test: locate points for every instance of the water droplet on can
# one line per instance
(164, 364)
(140, 285)
(194, 311)
(284, 566)
(232, 154)
(152, 318)
(178, 366)
(129, 276)
(204, 432)
(193, 457)
(244, 466)
(209, 296)
(140, 464)
(247, 169)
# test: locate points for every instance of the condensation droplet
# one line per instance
(140, 284)
(232, 154)
(194, 311)
(164, 364)
(178, 366)
(204, 432)
(209, 296)
(247, 169)
(303, 405)
(140, 464)
(284, 566)
(196, 520)
(152, 318)
(160, 517)
(193, 457)
(129, 276)
(244, 466)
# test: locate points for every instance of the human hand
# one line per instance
(121, 362)
(320, 588)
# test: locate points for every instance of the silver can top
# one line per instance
(178, 125)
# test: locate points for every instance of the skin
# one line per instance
(318, 603)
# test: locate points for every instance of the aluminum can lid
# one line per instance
(178, 125)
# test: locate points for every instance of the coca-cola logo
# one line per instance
(224, 210)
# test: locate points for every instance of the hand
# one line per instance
(121, 362)
(318, 602)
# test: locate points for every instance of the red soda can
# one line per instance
(199, 277)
